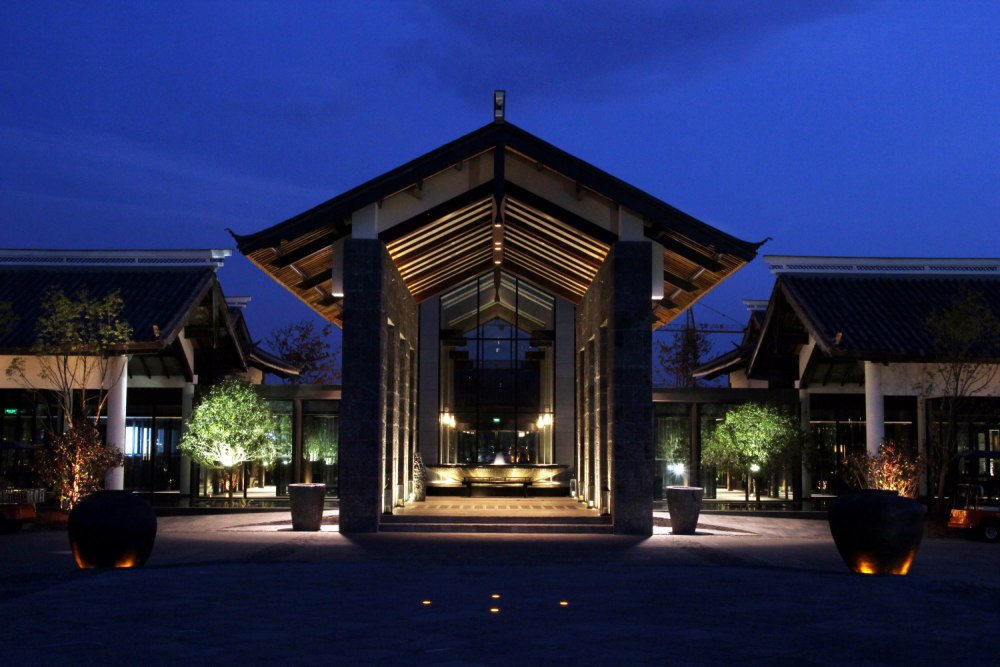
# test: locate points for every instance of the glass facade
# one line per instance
(152, 434)
(673, 448)
(497, 372)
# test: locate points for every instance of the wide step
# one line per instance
(546, 527)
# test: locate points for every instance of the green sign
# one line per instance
(10, 411)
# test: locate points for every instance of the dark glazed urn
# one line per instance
(876, 532)
(684, 505)
(307, 505)
(112, 529)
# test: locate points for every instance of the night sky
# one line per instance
(836, 128)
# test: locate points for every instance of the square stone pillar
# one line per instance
(374, 297)
(616, 313)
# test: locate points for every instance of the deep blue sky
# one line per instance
(837, 128)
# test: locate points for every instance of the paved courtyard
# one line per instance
(244, 589)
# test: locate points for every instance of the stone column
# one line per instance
(631, 389)
(922, 439)
(117, 388)
(805, 420)
(362, 426)
(374, 297)
(874, 407)
(187, 407)
(619, 299)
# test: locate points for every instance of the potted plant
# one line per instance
(878, 527)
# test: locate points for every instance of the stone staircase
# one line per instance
(496, 515)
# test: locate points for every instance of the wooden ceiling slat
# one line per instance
(559, 256)
(300, 252)
(472, 216)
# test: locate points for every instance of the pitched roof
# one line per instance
(557, 214)
(864, 309)
(883, 317)
(155, 301)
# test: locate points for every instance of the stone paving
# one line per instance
(245, 589)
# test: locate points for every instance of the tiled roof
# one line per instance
(155, 299)
(880, 317)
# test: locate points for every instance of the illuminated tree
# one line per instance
(753, 438)
(73, 463)
(75, 340)
(229, 427)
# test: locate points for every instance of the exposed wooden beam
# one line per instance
(688, 253)
(315, 280)
(311, 248)
(677, 281)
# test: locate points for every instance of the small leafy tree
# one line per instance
(752, 435)
(75, 340)
(966, 339)
(230, 426)
(302, 345)
(74, 463)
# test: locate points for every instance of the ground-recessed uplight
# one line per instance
(495, 596)
(426, 603)
(563, 603)
(494, 610)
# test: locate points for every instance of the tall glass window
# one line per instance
(673, 447)
(497, 372)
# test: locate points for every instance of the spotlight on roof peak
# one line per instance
(499, 101)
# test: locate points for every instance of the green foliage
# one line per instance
(321, 443)
(74, 463)
(230, 426)
(301, 345)
(673, 439)
(282, 440)
(75, 337)
(751, 434)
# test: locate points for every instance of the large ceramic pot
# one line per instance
(112, 529)
(684, 505)
(876, 532)
(307, 505)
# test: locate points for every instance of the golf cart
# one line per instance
(977, 500)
